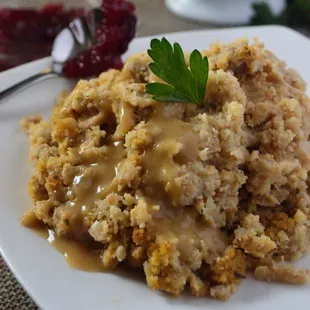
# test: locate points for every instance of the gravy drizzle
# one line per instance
(174, 144)
(80, 256)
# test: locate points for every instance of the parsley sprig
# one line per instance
(183, 84)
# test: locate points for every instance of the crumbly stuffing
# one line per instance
(196, 196)
(282, 273)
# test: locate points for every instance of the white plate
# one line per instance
(43, 271)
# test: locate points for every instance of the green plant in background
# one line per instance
(296, 14)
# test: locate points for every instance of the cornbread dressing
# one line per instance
(194, 195)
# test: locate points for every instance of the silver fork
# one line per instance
(69, 43)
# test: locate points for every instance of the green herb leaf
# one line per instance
(183, 84)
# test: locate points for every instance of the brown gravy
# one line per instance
(81, 256)
(93, 182)
(182, 223)
(174, 144)
(126, 121)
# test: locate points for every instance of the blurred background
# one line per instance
(28, 28)
(25, 36)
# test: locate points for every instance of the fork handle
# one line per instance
(27, 83)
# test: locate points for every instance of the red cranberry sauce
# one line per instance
(28, 34)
